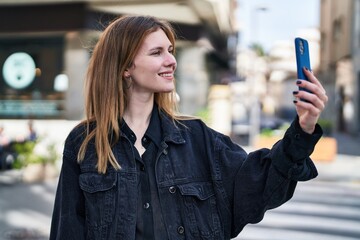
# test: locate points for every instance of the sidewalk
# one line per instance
(347, 163)
(343, 168)
(26, 210)
(347, 144)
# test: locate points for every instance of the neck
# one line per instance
(138, 112)
(137, 116)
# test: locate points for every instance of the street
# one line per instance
(325, 208)
(26, 210)
(319, 210)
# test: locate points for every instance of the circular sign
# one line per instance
(19, 70)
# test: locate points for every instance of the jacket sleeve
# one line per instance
(266, 178)
(69, 212)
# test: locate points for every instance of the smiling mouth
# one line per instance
(166, 74)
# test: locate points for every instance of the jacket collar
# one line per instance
(171, 129)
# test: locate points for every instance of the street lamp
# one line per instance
(254, 19)
(255, 111)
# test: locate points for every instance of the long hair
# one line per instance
(106, 89)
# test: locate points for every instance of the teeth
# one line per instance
(166, 75)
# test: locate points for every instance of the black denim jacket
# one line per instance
(209, 187)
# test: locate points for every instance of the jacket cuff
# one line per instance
(298, 144)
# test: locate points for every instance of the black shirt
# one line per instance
(149, 224)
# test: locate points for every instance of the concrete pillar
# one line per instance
(76, 57)
(220, 108)
(192, 79)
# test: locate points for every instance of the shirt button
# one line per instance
(146, 205)
(181, 230)
(172, 189)
(144, 139)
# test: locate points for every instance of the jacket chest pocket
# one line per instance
(200, 210)
(100, 197)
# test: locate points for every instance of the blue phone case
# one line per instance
(302, 57)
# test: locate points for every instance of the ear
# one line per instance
(126, 74)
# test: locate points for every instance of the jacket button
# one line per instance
(181, 230)
(142, 168)
(297, 136)
(146, 205)
(165, 152)
(172, 189)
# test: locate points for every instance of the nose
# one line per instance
(170, 60)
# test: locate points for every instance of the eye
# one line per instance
(156, 53)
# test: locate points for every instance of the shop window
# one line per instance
(30, 67)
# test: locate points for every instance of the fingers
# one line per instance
(313, 85)
(309, 74)
(315, 92)
(309, 102)
(313, 103)
(313, 100)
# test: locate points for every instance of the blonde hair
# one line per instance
(106, 89)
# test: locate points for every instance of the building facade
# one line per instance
(339, 62)
(45, 47)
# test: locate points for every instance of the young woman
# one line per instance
(136, 169)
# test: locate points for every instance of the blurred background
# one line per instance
(236, 70)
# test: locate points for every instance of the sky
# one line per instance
(280, 20)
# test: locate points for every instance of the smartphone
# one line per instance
(302, 58)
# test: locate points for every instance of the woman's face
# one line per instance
(154, 65)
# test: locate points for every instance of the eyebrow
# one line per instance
(160, 48)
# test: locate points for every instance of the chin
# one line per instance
(167, 91)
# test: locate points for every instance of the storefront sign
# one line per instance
(21, 108)
(19, 70)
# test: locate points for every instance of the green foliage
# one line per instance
(326, 126)
(258, 48)
(204, 114)
(267, 132)
(53, 155)
(26, 154)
